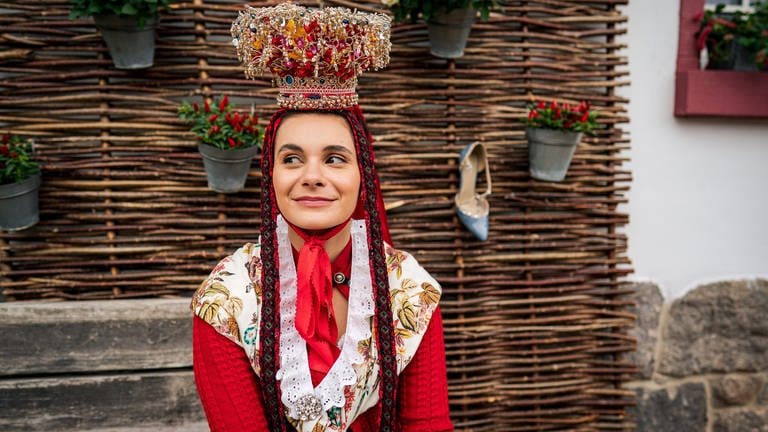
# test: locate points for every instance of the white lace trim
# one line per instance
(294, 374)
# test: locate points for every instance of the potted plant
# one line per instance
(448, 21)
(227, 140)
(19, 183)
(553, 131)
(127, 26)
(734, 40)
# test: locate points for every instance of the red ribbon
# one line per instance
(315, 319)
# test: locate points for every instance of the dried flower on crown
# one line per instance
(315, 55)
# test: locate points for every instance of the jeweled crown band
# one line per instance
(315, 93)
(315, 54)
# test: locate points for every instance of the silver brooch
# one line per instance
(308, 407)
(339, 278)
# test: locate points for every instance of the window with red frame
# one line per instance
(718, 93)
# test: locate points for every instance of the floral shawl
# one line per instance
(230, 300)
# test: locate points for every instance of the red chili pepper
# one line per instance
(725, 22)
(702, 39)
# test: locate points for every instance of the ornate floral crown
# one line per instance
(315, 55)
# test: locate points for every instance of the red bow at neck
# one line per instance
(315, 318)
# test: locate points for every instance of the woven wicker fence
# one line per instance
(535, 319)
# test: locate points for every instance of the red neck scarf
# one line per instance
(315, 318)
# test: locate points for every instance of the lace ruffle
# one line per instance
(294, 373)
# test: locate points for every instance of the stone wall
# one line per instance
(702, 359)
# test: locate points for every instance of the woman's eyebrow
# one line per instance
(290, 147)
(335, 148)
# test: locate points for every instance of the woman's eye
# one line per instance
(335, 159)
(291, 159)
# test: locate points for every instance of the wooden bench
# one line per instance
(118, 365)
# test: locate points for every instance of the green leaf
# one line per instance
(128, 9)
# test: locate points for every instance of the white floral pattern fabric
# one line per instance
(230, 301)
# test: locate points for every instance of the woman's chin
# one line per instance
(315, 225)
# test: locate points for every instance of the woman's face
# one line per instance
(315, 176)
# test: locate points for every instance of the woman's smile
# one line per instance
(312, 201)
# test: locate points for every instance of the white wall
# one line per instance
(699, 200)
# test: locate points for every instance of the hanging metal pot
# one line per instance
(227, 170)
(449, 32)
(19, 204)
(131, 46)
(550, 152)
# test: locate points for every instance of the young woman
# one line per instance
(321, 325)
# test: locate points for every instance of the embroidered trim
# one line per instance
(294, 374)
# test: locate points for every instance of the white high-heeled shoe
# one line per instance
(472, 207)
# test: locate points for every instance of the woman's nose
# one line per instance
(312, 174)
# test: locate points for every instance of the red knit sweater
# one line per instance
(231, 396)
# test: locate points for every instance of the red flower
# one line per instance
(4, 148)
(224, 102)
(584, 117)
(196, 107)
(6, 137)
(212, 118)
(232, 143)
(207, 106)
(541, 105)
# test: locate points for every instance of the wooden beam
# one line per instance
(95, 336)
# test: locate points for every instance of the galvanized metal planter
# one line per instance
(550, 152)
(449, 32)
(131, 47)
(227, 170)
(19, 204)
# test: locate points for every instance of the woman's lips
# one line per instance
(314, 201)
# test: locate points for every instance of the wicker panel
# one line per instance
(535, 317)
